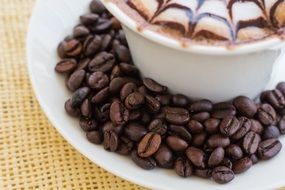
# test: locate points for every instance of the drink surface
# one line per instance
(209, 21)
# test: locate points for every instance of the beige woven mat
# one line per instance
(32, 154)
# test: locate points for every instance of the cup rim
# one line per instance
(271, 42)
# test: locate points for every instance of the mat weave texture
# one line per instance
(33, 155)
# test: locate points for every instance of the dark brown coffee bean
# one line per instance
(227, 162)
(251, 142)
(79, 96)
(134, 101)
(145, 118)
(271, 132)
(203, 173)
(109, 126)
(123, 53)
(256, 126)
(149, 145)
(183, 167)
(142, 90)
(75, 80)
(80, 32)
(176, 143)
(223, 109)
(177, 116)
(66, 66)
(201, 117)
(164, 99)
(106, 42)
(103, 25)
(92, 45)
(234, 151)
(122, 37)
(212, 125)
(157, 126)
(199, 139)
(242, 165)
(135, 115)
(154, 86)
(102, 62)
(145, 163)
(201, 106)
(181, 132)
(281, 125)
(97, 7)
(94, 137)
(266, 114)
(89, 19)
(196, 156)
(128, 69)
(102, 113)
(111, 141)
(195, 127)
(218, 140)
(152, 104)
(119, 115)
(116, 23)
(281, 87)
(116, 72)
(254, 159)
(83, 64)
(87, 124)
(222, 175)
(125, 146)
(180, 100)
(74, 112)
(275, 98)
(269, 148)
(245, 106)
(101, 96)
(85, 108)
(117, 83)
(164, 157)
(216, 157)
(229, 125)
(98, 80)
(135, 131)
(245, 126)
(69, 48)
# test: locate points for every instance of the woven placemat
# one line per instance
(32, 154)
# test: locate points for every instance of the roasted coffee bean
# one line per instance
(101, 96)
(135, 131)
(109, 126)
(181, 132)
(176, 143)
(223, 109)
(254, 158)
(266, 114)
(145, 163)
(196, 156)
(245, 106)
(80, 32)
(149, 145)
(98, 80)
(125, 146)
(152, 104)
(227, 162)
(203, 173)
(119, 115)
(216, 157)
(116, 23)
(142, 90)
(83, 64)
(135, 115)
(116, 72)
(281, 87)
(245, 126)
(157, 126)
(103, 25)
(145, 118)
(164, 157)
(123, 53)
(269, 148)
(94, 137)
(222, 175)
(242, 165)
(271, 132)
(97, 7)
(102, 62)
(89, 19)
(281, 125)
(74, 112)
(122, 37)
(106, 42)
(201, 106)
(218, 140)
(111, 141)
(102, 113)
(154, 86)
(177, 116)
(85, 108)
(134, 101)
(251, 142)
(88, 124)
(75, 80)
(229, 126)
(201, 117)
(79, 96)
(116, 84)
(92, 45)
(256, 126)
(195, 127)
(128, 69)
(180, 100)
(66, 66)
(183, 167)
(164, 99)
(275, 98)
(234, 152)
(199, 139)
(69, 48)
(212, 125)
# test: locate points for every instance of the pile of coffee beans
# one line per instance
(139, 117)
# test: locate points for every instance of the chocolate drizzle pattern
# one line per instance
(223, 20)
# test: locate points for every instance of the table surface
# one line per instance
(33, 155)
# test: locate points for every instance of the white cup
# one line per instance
(200, 71)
